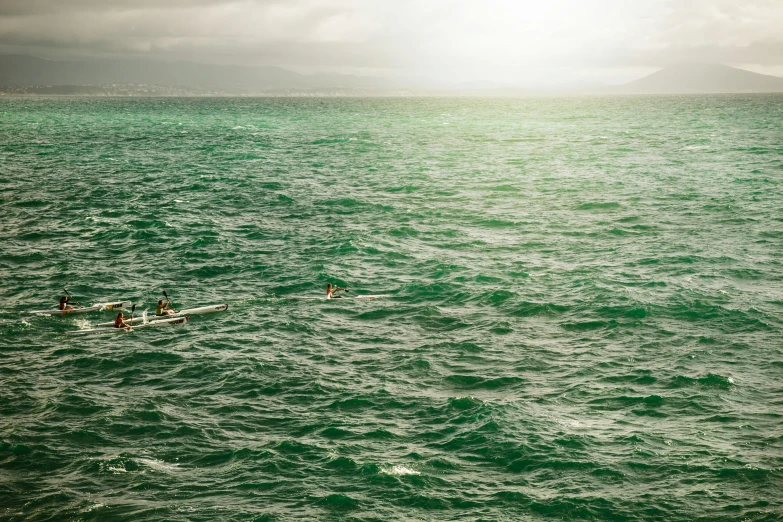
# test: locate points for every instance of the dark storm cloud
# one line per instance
(306, 34)
(35, 7)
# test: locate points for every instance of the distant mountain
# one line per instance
(701, 78)
(20, 71)
(29, 75)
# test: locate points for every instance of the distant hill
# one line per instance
(701, 78)
(21, 71)
(23, 74)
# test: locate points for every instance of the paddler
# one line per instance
(64, 303)
(120, 322)
(331, 290)
(164, 308)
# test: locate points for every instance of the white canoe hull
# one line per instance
(153, 324)
(204, 309)
(115, 305)
(190, 311)
(343, 298)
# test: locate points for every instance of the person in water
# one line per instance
(64, 303)
(120, 322)
(164, 308)
(331, 290)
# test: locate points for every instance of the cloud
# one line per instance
(501, 40)
(743, 34)
(302, 33)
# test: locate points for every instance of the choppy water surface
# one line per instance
(586, 319)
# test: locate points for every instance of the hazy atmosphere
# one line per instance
(391, 261)
(496, 43)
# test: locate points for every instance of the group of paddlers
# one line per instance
(163, 309)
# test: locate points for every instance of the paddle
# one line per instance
(70, 297)
(338, 289)
(168, 302)
(133, 309)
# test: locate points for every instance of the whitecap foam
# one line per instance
(399, 470)
(83, 324)
(94, 506)
(158, 465)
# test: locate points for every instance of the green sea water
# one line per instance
(585, 321)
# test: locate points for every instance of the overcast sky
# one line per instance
(509, 42)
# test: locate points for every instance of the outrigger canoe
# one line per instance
(115, 305)
(341, 298)
(190, 311)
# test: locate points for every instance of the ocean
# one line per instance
(585, 318)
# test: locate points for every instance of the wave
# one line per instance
(611, 205)
(476, 382)
(710, 381)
